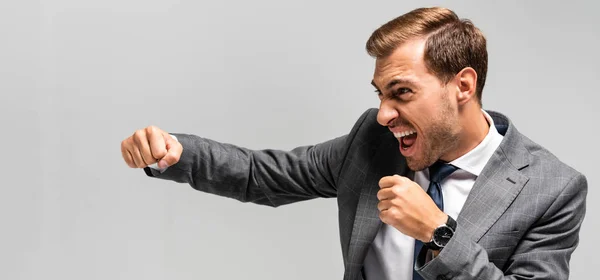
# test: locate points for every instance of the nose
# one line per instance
(387, 113)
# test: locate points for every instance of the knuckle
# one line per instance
(151, 129)
(400, 180)
(395, 214)
(127, 143)
(138, 134)
(160, 153)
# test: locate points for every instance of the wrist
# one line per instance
(442, 235)
(440, 219)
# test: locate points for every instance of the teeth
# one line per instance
(403, 134)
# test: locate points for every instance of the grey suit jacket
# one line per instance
(520, 221)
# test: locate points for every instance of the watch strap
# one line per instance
(451, 223)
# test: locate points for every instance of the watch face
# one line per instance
(442, 235)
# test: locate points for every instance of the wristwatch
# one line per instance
(442, 234)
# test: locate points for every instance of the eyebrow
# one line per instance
(394, 82)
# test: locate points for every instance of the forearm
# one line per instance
(268, 177)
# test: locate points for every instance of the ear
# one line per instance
(466, 81)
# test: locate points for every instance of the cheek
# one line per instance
(420, 115)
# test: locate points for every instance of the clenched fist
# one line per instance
(404, 205)
(150, 145)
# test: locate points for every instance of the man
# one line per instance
(429, 186)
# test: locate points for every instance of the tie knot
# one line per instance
(440, 170)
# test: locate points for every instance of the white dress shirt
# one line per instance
(390, 256)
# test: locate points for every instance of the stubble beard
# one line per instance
(438, 139)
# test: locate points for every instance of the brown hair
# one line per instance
(451, 45)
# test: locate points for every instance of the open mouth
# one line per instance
(407, 139)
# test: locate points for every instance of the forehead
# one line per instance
(405, 62)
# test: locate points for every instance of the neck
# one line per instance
(474, 127)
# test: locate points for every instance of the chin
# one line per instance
(416, 164)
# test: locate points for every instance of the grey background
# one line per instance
(77, 77)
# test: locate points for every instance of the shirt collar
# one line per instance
(475, 160)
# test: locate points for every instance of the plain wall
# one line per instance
(78, 77)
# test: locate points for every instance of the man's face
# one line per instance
(416, 106)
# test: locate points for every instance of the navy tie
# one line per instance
(437, 173)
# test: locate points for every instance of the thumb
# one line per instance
(174, 150)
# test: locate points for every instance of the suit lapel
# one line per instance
(385, 162)
(497, 186)
(494, 190)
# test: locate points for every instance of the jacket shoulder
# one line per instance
(367, 128)
(547, 163)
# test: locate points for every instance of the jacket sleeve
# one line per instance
(543, 253)
(266, 177)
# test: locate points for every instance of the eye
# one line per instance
(403, 91)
